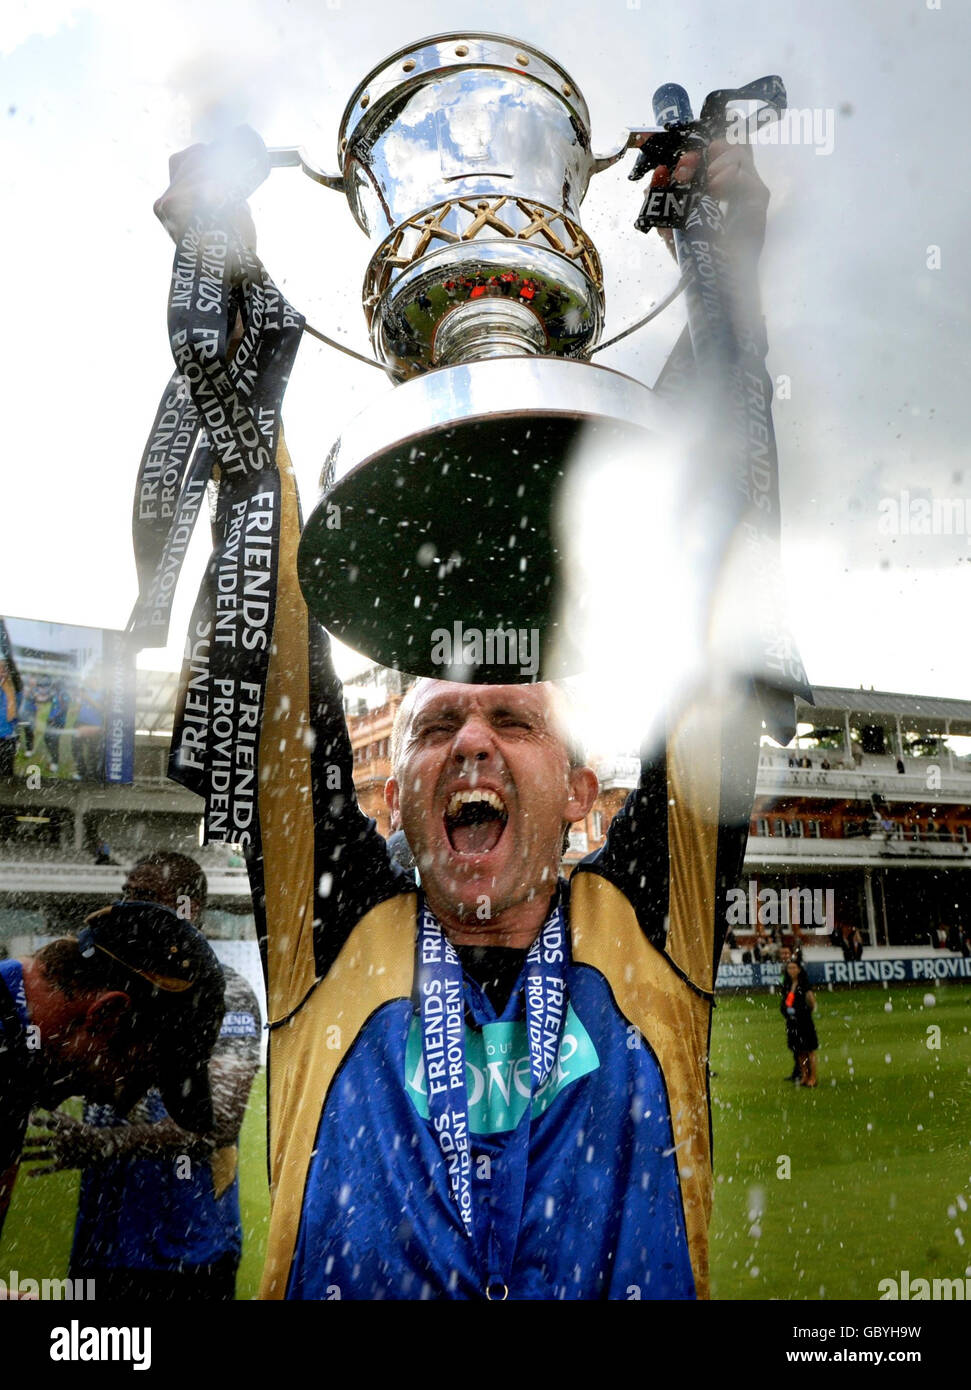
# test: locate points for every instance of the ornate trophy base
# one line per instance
(434, 547)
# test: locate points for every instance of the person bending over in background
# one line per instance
(134, 1001)
(158, 1210)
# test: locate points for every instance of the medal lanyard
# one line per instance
(442, 1004)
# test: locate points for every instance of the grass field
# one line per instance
(879, 1156)
(40, 1223)
(880, 1152)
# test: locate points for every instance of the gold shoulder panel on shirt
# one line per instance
(375, 966)
(694, 765)
(223, 1163)
(286, 789)
(673, 1020)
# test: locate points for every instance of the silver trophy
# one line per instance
(465, 158)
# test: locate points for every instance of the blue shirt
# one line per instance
(378, 1219)
(163, 1214)
(16, 1074)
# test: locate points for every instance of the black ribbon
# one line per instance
(234, 410)
(172, 477)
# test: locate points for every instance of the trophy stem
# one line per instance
(488, 328)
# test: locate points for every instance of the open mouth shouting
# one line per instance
(475, 820)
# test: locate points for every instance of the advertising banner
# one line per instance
(894, 970)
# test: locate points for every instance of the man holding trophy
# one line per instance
(492, 1084)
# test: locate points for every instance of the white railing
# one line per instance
(935, 777)
(44, 876)
(854, 851)
(889, 784)
(618, 772)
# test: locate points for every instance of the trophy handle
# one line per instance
(633, 140)
(291, 157)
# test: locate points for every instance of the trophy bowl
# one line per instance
(438, 527)
(465, 159)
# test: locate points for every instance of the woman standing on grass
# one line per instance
(798, 1006)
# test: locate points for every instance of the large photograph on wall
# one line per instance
(67, 702)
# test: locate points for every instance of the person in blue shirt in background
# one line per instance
(158, 1211)
(134, 1001)
(10, 691)
(88, 734)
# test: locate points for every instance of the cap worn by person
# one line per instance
(176, 985)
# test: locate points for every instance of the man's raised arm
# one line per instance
(677, 845)
(260, 731)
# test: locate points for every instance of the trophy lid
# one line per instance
(423, 60)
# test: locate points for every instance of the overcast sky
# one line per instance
(873, 338)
